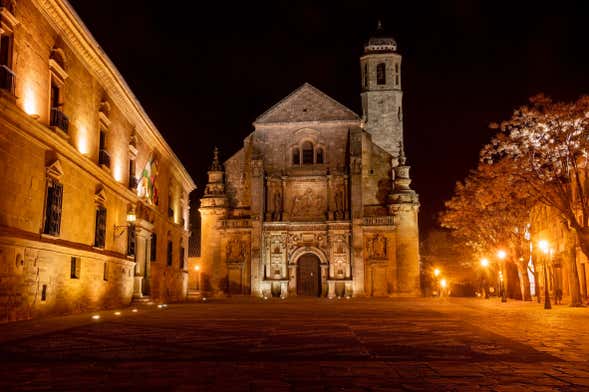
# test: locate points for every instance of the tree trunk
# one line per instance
(575, 284)
(524, 281)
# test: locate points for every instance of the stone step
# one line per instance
(141, 300)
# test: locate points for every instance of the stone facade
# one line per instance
(87, 179)
(317, 202)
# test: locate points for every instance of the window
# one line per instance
(169, 253)
(44, 293)
(6, 73)
(105, 272)
(307, 153)
(153, 245)
(103, 155)
(296, 156)
(75, 267)
(381, 73)
(365, 75)
(53, 207)
(319, 156)
(132, 178)
(100, 230)
(397, 74)
(181, 263)
(131, 240)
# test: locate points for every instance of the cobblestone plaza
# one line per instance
(247, 344)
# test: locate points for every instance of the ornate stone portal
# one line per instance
(317, 202)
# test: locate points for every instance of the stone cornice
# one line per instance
(16, 120)
(68, 24)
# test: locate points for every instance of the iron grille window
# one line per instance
(100, 232)
(169, 253)
(307, 153)
(319, 158)
(44, 293)
(131, 240)
(296, 157)
(152, 254)
(380, 74)
(53, 208)
(75, 267)
(132, 179)
(181, 261)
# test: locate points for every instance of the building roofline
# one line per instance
(74, 32)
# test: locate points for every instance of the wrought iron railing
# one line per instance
(7, 79)
(59, 120)
(104, 157)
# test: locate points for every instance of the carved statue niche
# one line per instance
(277, 200)
(235, 250)
(339, 201)
(377, 247)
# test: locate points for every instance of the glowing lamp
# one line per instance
(544, 246)
(131, 217)
(501, 254)
(443, 283)
(197, 267)
(437, 272)
(96, 317)
(484, 262)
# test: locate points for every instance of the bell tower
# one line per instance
(382, 106)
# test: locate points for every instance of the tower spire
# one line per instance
(216, 166)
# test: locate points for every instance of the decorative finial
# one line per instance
(379, 26)
(216, 166)
(402, 158)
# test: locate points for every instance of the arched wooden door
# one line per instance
(308, 276)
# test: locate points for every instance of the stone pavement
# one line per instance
(246, 344)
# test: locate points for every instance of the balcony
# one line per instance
(7, 79)
(104, 158)
(59, 120)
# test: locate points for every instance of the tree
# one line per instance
(490, 211)
(548, 143)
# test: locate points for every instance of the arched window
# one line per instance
(307, 153)
(319, 156)
(381, 74)
(296, 156)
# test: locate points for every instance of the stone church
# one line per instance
(317, 201)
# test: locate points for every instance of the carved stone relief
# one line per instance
(236, 250)
(306, 204)
(376, 246)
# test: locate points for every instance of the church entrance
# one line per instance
(308, 276)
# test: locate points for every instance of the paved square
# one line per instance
(246, 344)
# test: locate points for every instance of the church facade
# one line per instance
(318, 201)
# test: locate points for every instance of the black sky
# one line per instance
(204, 73)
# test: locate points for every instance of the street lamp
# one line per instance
(545, 248)
(484, 262)
(501, 254)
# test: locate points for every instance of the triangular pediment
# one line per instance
(54, 170)
(307, 104)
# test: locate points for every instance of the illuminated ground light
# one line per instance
(117, 313)
(96, 317)
(134, 310)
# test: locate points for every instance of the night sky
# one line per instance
(203, 74)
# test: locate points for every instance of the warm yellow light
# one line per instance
(83, 140)
(134, 310)
(117, 313)
(96, 317)
(501, 254)
(484, 262)
(131, 217)
(544, 246)
(197, 267)
(443, 283)
(436, 272)
(30, 103)
(117, 172)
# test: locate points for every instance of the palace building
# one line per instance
(94, 205)
(317, 202)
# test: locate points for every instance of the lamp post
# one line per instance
(545, 248)
(501, 254)
(437, 273)
(485, 265)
